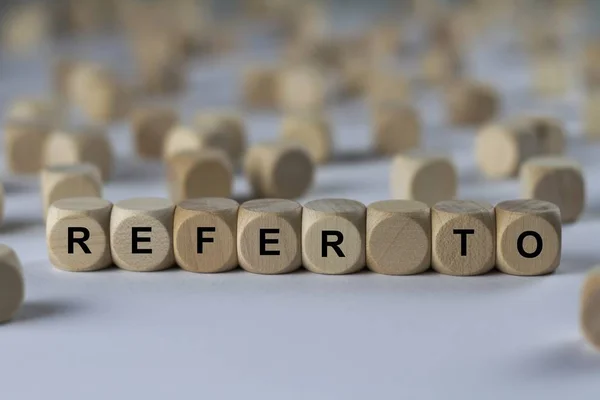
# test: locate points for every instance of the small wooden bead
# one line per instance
(333, 236)
(398, 237)
(386, 87)
(464, 235)
(313, 131)
(302, 89)
(73, 180)
(396, 128)
(549, 132)
(150, 126)
(77, 234)
(87, 144)
(203, 173)
(141, 233)
(528, 239)
(269, 239)
(279, 170)
(471, 103)
(225, 131)
(24, 142)
(589, 309)
(259, 88)
(12, 285)
(425, 178)
(204, 235)
(500, 149)
(557, 180)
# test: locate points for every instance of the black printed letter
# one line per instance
(135, 239)
(264, 241)
(335, 245)
(538, 248)
(71, 240)
(200, 239)
(463, 239)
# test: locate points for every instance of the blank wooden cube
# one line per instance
(78, 234)
(422, 177)
(204, 235)
(203, 173)
(45, 111)
(259, 87)
(225, 131)
(269, 239)
(333, 236)
(501, 149)
(279, 170)
(141, 234)
(311, 130)
(12, 285)
(464, 237)
(150, 126)
(224, 134)
(385, 87)
(398, 237)
(302, 88)
(471, 103)
(589, 309)
(549, 132)
(72, 180)
(396, 128)
(24, 142)
(558, 180)
(528, 239)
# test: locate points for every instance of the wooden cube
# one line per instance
(72, 180)
(150, 126)
(269, 239)
(25, 27)
(279, 170)
(303, 88)
(141, 234)
(555, 179)
(87, 144)
(592, 115)
(78, 234)
(12, 285)
(589, 309)
(398, 237)
(387, 87)
(313, 131)
(464, 237)
(204, 235)
(422, 177)
(501, 149)
(396, 128)
(24, 142)
(203, 173)
(528, 239)
(259, 87)
(549, 132)
(225, 131)
(551, 75)
(45, 111)
(333, 236)
(471, 103)
(441, 65)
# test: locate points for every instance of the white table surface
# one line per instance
(174, 334)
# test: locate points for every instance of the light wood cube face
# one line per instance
(269, 239)
(548, 131)
(65, 181)
(141, 234)
(77, 234)
(557, 180)
(224, 131)
(150, 126)
(471, 103)
(528, 239)
(12, 286)
(333, 236)
(589, 314)
(302, 89)
(311, 131)
(464, 237)
(24, 142)
(204, 235)
(398, 237)
(397, 128)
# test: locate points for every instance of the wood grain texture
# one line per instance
(24, 141)
(152, 219)
(338, 221)
(398, 237)
(71, 180)
(555, 179)
(86, 144)
(12, 285)
(464, 237)
(313, 131)
(471, 103)
(220, 255)
(87, 213)
(396, 128)
(279, 170)
(518, 222)
(149, 127)
(272, 227)
(203, 173)
(423, 177)
(259, 87)
(589, 308)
